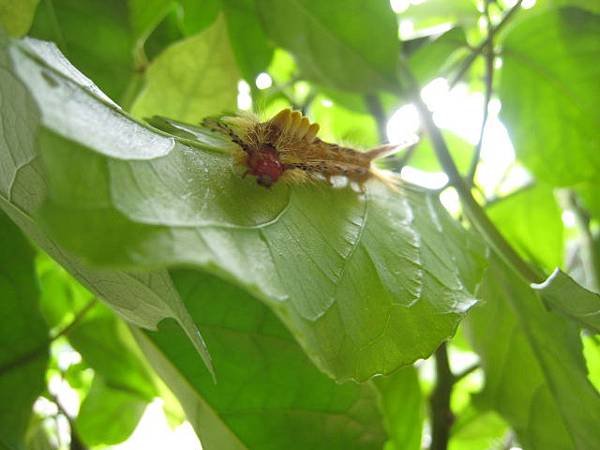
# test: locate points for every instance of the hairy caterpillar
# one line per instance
(286, 147)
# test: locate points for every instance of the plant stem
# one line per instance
(33, 354)
(473, 210)
(375, 107)
(469, 60)
(441, 414)
(489, 81)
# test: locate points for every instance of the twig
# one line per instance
(468, 371)
(33, 354)
(375, 107)
(469, 60)
(473, 210)
(489, 81)
(441, 414)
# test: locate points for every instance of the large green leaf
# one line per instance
(531, 221)
(269, 395)
(23, 336)
(536, 377)
(550, 94)
(142, 298)
(398, 256)
(16, 16)
(564, 295)
(335, 42)
(193, 78)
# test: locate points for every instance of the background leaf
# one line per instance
(549, 98)
(269, 395)
(535, 373)
(192, 79)
(334, 45)
(16, 16)
(23, 336)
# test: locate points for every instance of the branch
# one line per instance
(473, 210)
(33, 354)
(441, 414)
(376, 109)
(469, 60)
(489, 81)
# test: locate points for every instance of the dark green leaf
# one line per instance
(78, 25)
(335, 43)
(198, 15)
(562, 294)
(535, 373)
(23, 336)
(252, 50)
(531, 221)
(550, 98)
(16, 16)
(145, 15)
(191, 79)
(269, 395)
(142, 298)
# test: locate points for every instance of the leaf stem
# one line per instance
(375, 107)
(489, 81)
(469, 60)
(441, 413)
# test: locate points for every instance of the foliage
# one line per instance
(299, 316)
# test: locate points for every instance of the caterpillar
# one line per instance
(287, 148)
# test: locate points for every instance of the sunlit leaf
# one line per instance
(16, 16)
(193, 78)
(550, 98)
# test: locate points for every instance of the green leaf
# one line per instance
(476, 430)
(142, 298)
(191, 79)
(319, 268)
(252, 50)
(145, 15)
(78, 25)
(269, 395)
(108, 415)
(198, 15)
(23, 336)
(535, 373)
(334, 42)
(403, 408)
(564, 295)
(531, 221)
(16, 16)
(550, 97)
(438, 56)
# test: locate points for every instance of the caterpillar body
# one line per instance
(287, 148)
